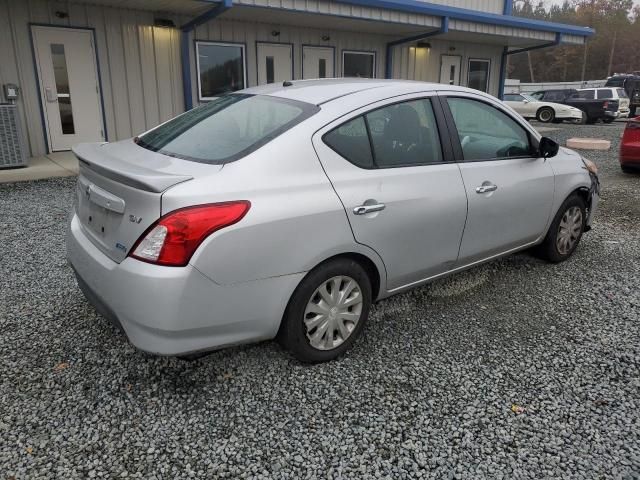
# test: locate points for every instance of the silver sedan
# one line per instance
(284, 211)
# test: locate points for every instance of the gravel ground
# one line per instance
(518, 369)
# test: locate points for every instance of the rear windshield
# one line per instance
(615, 82)
(227, 128)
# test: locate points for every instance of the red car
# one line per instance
(630, 146)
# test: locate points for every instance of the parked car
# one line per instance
(286, 210)
(630, 147)
(615, 94)
(585, 100)
(545, 112)
(631, 85)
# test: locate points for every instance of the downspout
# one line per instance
(185, 56)
(506, 52)
(444, 28)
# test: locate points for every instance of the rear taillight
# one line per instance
(605, 104)
(174, 238)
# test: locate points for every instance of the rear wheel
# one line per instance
(546, 115)
(327, 312)
(566, 230)
(591, 120)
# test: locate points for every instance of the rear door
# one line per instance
(401, 190)
(510, 190)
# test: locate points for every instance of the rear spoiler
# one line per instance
(92, 158)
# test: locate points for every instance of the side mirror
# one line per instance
(548, 148)
(525, 101)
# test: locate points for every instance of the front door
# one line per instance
(317, 62)
(69, 88)
(510, 191)
(274, 62)
(450, 69)
(403, 196)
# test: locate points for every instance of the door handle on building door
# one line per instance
(51, 95)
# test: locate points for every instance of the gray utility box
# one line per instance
(13, 152)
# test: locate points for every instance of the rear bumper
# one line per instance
(176, 311)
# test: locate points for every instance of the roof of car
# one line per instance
(322, 91)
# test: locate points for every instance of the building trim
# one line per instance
(417, 6)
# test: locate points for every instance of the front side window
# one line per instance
(486, 133)
(402, 134)
(538, 95)
(221, 68)
(358, 64)
(478, 76)
(226, 128)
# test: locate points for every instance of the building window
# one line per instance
(478, 76)
(221, 68)
(358, 64)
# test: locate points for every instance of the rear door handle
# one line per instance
(364, 209)
(486, 188)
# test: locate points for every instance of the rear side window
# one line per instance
(604, 94)
(227, 128)
(585, 95)
(487, 133)
(402, 134)
(351, 141)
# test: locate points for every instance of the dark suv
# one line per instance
(585, 100)
(631, 85)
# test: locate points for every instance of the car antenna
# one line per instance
(287, 83)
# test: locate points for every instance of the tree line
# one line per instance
(615, 47)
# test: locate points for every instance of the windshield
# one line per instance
(528, 97)
(615, 82)
(537, 95)
(227, 128)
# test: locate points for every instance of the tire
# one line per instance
(608, 120)
(308, 312)
(627, 169)
(546, 115)
(591, 120)
(632, 112)
(555, 250)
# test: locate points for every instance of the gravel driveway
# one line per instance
(517, 369)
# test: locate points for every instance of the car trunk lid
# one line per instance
(119, 191)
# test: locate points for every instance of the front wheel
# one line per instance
(566, 230)
(546, 115)
(327, 312)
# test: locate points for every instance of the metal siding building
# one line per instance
(147, 55)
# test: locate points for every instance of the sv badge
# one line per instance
(134, 219)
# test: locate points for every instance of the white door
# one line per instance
(69, 88)
(317, 62)
(274, 63)
(450, 69)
